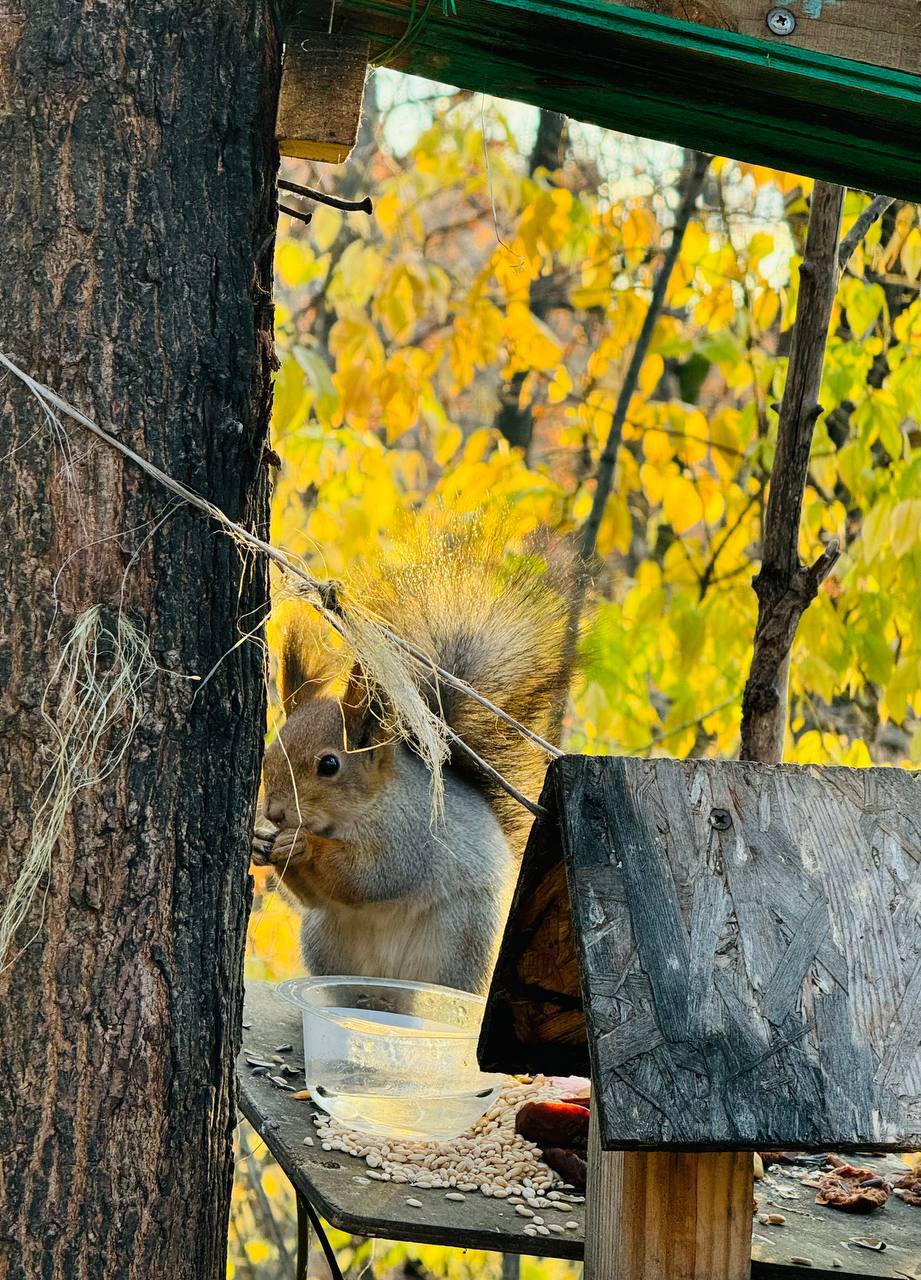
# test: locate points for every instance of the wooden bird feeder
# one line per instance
(734, 952)
(830, 88)
(322, 87)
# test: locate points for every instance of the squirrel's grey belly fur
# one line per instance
(453, 891)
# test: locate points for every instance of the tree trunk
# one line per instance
(137, 208)
(785, 587)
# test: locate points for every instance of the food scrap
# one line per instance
(560, 1131)
(851, 1188)
(909, 1188)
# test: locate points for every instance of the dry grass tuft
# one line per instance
(95, 687)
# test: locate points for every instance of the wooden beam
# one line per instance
(760, 100)
(319, 104)
(884, 32)
(667, 1215)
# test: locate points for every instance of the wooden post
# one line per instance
(322, 86)
(667, 1215)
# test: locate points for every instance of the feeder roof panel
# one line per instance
(746, 943)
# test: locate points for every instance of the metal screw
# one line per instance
(720, 819)
(781, 22)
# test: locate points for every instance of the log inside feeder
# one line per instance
(733, 951)
(319, 104)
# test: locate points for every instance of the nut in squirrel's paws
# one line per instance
(278, 846)
(264, 845)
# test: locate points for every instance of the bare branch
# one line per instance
(785, 588)
(875, 209)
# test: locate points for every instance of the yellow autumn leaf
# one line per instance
(639, 228)
(531, 343)
(760, 245)
(616, 529)
(295, 263)
(258, 1250)
(560, 385)
(357, 275)
(716, 308)
(325, 227)
(679, 292)
(862, 306)
(658, 446)
(905, 529)
(650, 374)
(681, 504)
(448, 440)
(696, 243)
(911, 254)
(387, 210)
(582, 505)
(766, 309)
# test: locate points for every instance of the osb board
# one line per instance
(884, 32)
(750, 946)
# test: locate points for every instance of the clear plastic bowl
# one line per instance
(396, 1059)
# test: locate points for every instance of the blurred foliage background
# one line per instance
(465, 345)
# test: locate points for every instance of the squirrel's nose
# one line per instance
(274, 810)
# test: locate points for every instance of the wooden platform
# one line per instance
(327, 1180)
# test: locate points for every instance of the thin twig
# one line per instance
(320, 595)
(693, 182)
(537, 810)
(875, 209)
(691, 187)
(308, 193)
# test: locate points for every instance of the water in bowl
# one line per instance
(385, 1101)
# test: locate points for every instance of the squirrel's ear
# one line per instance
(364, 712)
(306, 671)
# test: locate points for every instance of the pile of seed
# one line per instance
(491, 1158)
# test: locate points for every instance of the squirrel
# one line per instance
(386, 888)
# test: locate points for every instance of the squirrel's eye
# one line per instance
(327, 766)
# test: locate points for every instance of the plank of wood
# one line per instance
(779, 996)
(884, 32)
(319, 103)
(327, 1179)
(764, 101)
(681, 1214)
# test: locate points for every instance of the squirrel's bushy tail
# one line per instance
(496, 620)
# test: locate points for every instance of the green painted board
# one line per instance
(755, 100)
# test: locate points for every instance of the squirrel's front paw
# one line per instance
(263, 846)
(273, 847)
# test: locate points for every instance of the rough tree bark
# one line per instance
(137, 209)
(784, 586)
